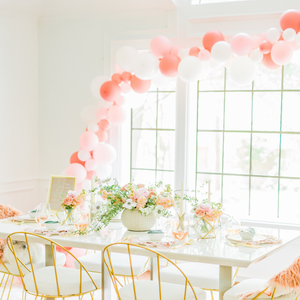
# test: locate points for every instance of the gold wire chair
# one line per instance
(147, 289)
(44, 281)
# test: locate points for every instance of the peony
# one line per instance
(142, 192)
(72, 194)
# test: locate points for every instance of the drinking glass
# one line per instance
(180, 230)
(43, 214)
(81, 220)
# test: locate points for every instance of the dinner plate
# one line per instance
(237, 238)
(26, 218)
(147, 239)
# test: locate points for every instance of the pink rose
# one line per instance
(68, 201)
(142, 192)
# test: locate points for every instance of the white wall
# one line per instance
(18, 110)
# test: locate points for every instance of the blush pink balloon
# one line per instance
(256, 41)
(160, 46)
(90, 174)
(101, 113)
(282, 52)
(126, 77)
(120, 101)
(102, 135)
(78, 188)
(88, 141)
(194, 51)
(125, 87)
(175, 49)
(118, 69)
(169, 65)
(268, 62)
(117, 78)
(290, 19)
(90, 165)
(294, 45)
(110, 90)
(77, 170)
(204, 55)
(104, 124)
(263, 37)
(265, 47)
(116, 115)
(211, 37)
(241, 44)
(140, 86)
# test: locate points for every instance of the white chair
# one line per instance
(53, 281)
(147, 289)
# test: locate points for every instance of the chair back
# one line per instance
(128, 247)
(24, 269)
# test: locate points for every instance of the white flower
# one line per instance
(159, 210)
(146, 211)
(129, 204)
(97, 206)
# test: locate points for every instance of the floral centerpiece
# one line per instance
(140, 204)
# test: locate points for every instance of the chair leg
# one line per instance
(212, 294)
(12, 280)
(92, 297)
(2, 279)
(4, 286)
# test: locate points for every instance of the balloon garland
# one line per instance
(136, 72)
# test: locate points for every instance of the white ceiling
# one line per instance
(74, 7)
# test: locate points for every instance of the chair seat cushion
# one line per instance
(120, 263)
(201, 275)
(149, 290)
(252, 285)
(69, 281)
(13, 269)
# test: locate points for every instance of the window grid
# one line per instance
(251, 131)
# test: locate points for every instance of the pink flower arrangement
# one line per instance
(73, 198)
(141, 202)
(165, 202)
(208, 213)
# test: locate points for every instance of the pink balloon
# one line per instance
(120, 101)
(175, 49)
(88, 141)
(241, 44)
(110, 90)
(77, 170)
(77, 253)
(125, 87)
(139, 85)
(160, 46)
(211, 37)
(194, 51)
(105, 154)
(263, 37)
(117, 115)
(268, 62)
(102, 135)
(265, 47)
(101, 113)
(104, 124)
(256, 41)
(118, 69)
(117, 78)
(204, 55)
(290, 19)
(169, 65)
(78, 188)
(126, 76)
(90, 174)
(90, 165)
(282, 52)
(294, 45)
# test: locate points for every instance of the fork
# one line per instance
(189, 242)
(242, 244)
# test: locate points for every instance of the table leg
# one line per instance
(106, 282)
(225, 280)
(49, 260)
(154, 269)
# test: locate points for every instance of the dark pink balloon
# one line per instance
(211, 37)
(194, 51)
(268, 62)
(117, 78)
(140, 86)
(169, 65)
(104, 124)
(265, 47)
(126, 76)
(110, 90)
(290, 19)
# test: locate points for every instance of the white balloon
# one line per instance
(84, 155)
(125, 58)
(273, 35)
(88, 114)
(104, 171)
(160, 80)
(104, 104)
(213, 64)
(104, 154)
(145, 66)
(134, 100)
(90, 164)
(298, 38)
(229, 62)
(183, 53)
(189, 69)
(96, 84)
(86, 185)
(221, 51)
(256, 56)
(93, 127)
(242, 71)
(289, 35)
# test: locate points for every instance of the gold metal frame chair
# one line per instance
(106, 257)
(9, 274)
(52, 244)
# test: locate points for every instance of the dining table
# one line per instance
(215, 251)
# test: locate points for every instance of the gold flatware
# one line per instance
(189, 242)
(243, 244)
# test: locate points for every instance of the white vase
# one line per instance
(134, 221)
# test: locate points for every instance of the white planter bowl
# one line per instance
(134, 221)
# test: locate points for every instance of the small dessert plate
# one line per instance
(237, 238)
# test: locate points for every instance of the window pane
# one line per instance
(165, 150)
(290, 111)
(210, 152)
(292, 73)
(210, 114)
(265, 151)
(145, 116)
(236, 195)
(237, 153)
(143, 149)
(166, 110)
(171, 86)
(267, 79)
(290, 155)
(145, 177)
(230, 85)
(289, 200)
(213, 82)
(238, 111)
(264, 198)
(215, 186)
(266, 111)
(166, 177)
